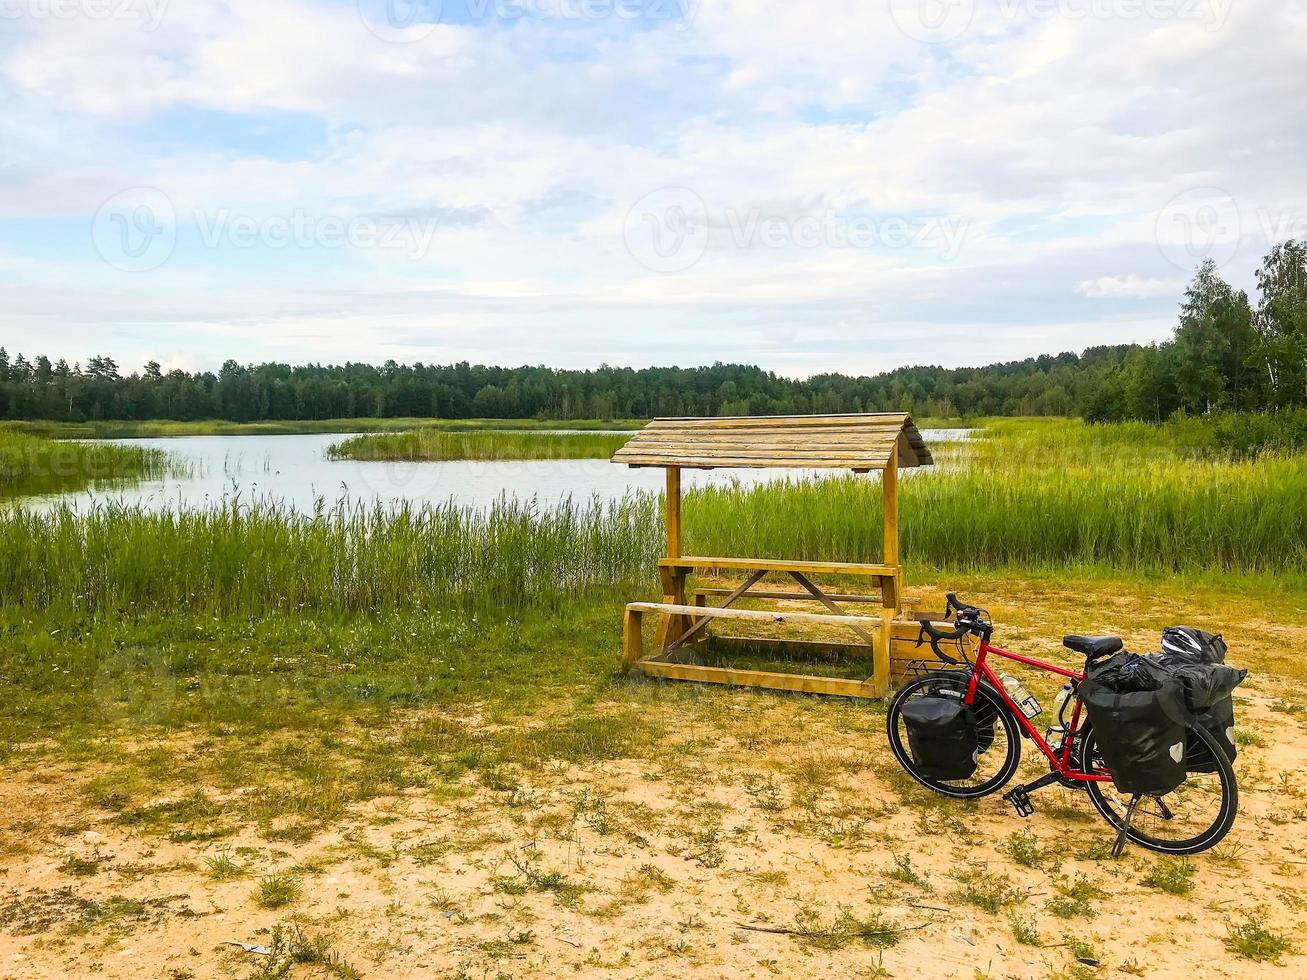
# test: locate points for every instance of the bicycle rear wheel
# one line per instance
(1191, 818)
(1000, 748)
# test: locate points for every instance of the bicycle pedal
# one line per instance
(1020, 800)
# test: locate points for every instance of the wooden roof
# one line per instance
(856, 442)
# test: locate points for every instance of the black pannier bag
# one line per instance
(1139, 718)
(941, 737)
(1197, 659)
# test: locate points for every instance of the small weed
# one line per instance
(986, 891)
(276, 891)
(291, 947)
(1073, 899)
(904, 872)
(530, 878)
(1023, 847)
(1229, 854)
(845, 928)
(223, 867)
(81, 867)
(1175, 876)
(1253, 941)
(766, 795)
(1024, 931)
(1244, 737)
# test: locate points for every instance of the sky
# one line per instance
(838, 186)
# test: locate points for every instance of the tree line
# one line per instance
(1225, 355)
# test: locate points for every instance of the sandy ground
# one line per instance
(754, 812)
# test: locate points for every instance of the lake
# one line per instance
(294, 470)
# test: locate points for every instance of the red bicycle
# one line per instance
(1192, 818)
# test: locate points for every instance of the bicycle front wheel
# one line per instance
(1191, 818)
(1000, 743)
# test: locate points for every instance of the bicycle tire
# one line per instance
(955, 681)
(1212, 835)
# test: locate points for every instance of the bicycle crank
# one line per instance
(1019, 796)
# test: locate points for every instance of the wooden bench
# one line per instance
(886, 577)
(658, 666)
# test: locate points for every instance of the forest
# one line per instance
(1226, 355)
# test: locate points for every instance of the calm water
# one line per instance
(295, 471)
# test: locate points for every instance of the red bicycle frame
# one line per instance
(1061, 760)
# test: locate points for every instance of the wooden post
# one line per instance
(890, 492)
(673, 578)
(890, 598)
(673, 512)
(633, 638)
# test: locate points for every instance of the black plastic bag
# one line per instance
(1127, 672)
(1204, 684)
(941, 737)
(1140, 733)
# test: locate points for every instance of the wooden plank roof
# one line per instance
(856, 442)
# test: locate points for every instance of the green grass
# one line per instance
(31, 464)
(122, 429)
(1251, 940)
(1046, 495)
(263, 559)
(434, 444)
(276, 891)
(1175, 876)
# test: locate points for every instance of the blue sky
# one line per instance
(848, 187)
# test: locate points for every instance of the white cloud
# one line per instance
(1058, 142)
(1128, 286)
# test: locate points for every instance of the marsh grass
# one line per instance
(154, 428)
(1046, 495)
(265, 558)
(436, 444)
(31, 464)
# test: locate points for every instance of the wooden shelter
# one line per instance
(861, 443)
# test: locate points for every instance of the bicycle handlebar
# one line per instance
(967, 619)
